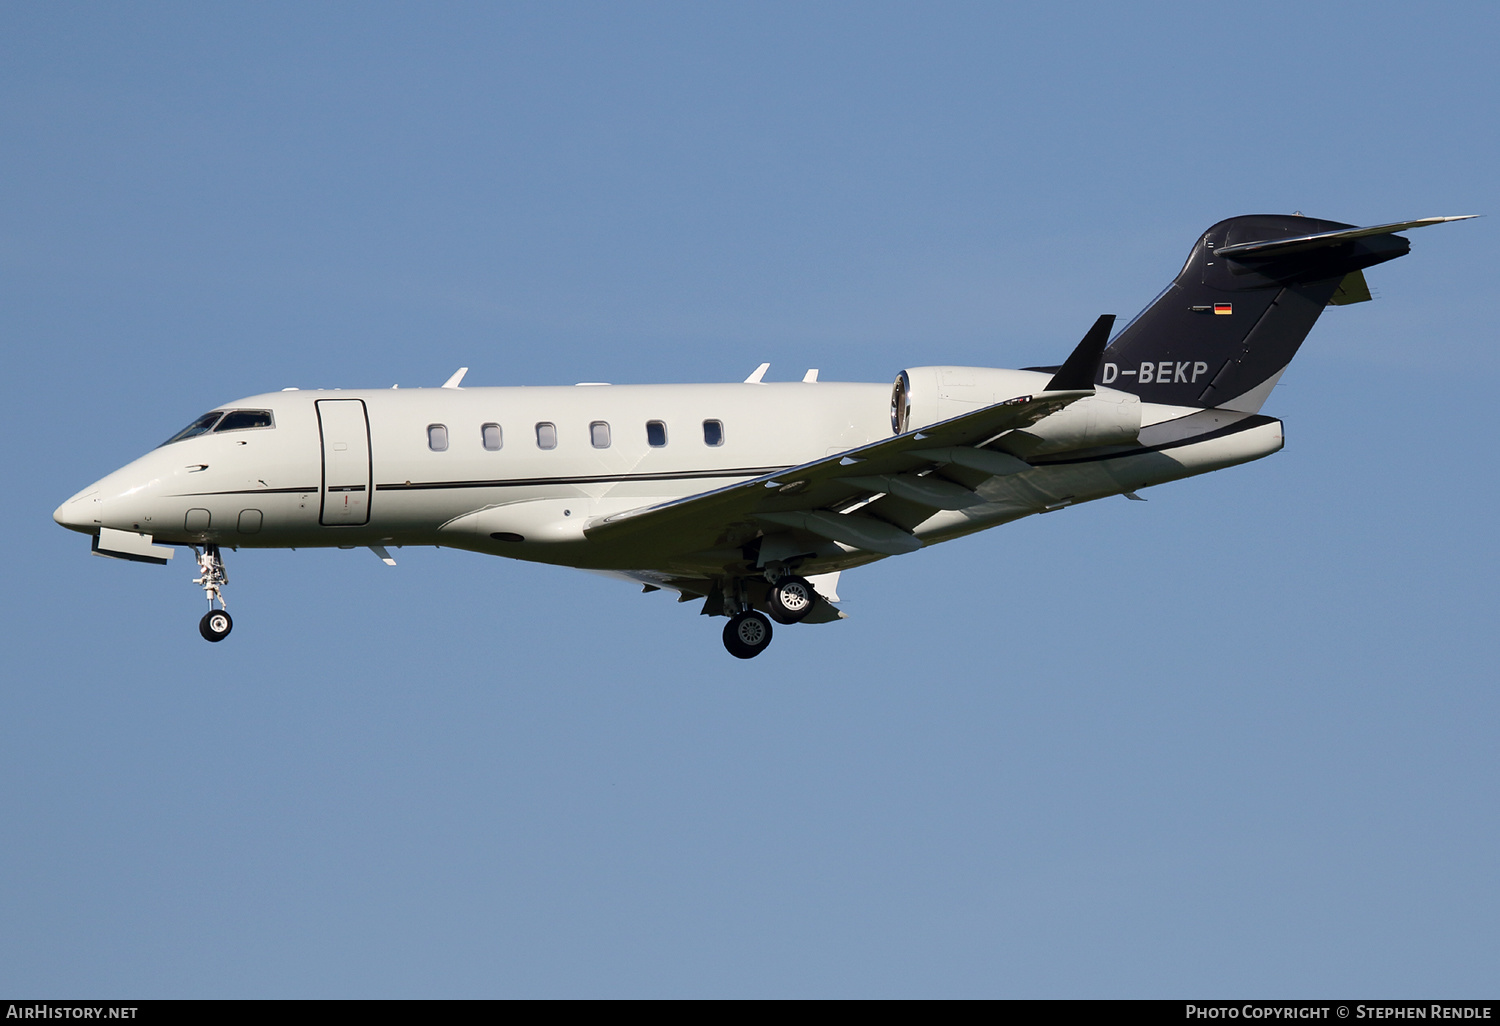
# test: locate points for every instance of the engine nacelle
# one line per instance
(926, 395)
(1107, 417)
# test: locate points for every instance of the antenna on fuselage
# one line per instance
(458, 376)
(757, 374)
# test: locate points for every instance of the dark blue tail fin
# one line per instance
(1222, 333)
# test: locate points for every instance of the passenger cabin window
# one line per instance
(235, 420)
(491, 435)
(201, 426)
(599, 434)
(713, 432)
(437, 437)
(656, 434)
(546, 436)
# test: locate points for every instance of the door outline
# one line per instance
(367, 488)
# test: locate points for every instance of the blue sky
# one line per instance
(1236, 740)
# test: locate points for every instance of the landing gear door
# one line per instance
(346, 462)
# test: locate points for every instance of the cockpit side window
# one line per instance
(201, 426)
(235, 420)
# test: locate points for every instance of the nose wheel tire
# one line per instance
(791, 599)
(215, 625)
(746, 635)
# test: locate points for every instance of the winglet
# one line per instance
(1082, 366)
(757, 374)
(458, 376)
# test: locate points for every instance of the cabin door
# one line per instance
(345, 428)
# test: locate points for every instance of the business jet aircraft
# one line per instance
(751, 497)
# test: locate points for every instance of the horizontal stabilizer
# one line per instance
(1302, 243)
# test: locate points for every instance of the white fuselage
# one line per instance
(412, 467)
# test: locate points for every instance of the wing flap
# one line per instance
(860, 532)
(925, 491)
(986, 461)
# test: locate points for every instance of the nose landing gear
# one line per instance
(216, 623)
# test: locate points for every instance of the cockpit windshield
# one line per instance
(201, 426)
(234, 420)
(219, 420)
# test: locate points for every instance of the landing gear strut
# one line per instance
(216, 623)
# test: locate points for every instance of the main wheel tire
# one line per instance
(746, 635)
(791, 599)
(215, 625)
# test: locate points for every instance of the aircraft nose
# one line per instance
(80, 513)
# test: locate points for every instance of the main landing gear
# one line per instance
(748, 633)
(791, 599)
(216, 623)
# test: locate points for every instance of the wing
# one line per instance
(831, 498)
